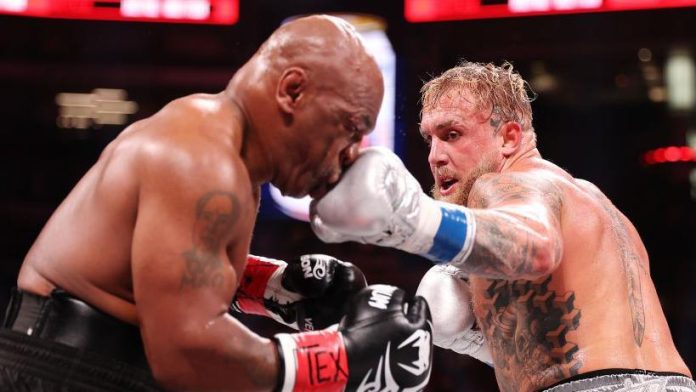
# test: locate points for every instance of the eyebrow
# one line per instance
(362, 122)
(440, 126)
(446, 124)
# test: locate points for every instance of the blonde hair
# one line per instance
(496, 88)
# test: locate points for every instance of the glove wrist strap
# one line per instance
(445, 232)
(252, 287)
(313, 361)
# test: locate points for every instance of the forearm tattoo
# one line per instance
(216, 214)
(507, 246)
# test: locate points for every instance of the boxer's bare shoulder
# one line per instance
(154, 160)
(194, 153)
(521, 221)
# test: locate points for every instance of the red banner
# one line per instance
(225, 12)
(441, 10)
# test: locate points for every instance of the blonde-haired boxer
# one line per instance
(136, 270)
(560, 281)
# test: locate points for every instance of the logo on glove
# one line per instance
(319, 269)
(381, 296)
(421, 340)
(383, 380)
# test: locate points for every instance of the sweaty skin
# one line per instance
(157, 232)
(560, 279)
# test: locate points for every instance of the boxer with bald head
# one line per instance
(128, 286)
(554, 275)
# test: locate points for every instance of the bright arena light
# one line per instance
(14, 5)
(669, 155)
(680, 75)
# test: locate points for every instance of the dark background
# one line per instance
(597, 123)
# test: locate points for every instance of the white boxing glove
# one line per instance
(447, 291)
(377, 201)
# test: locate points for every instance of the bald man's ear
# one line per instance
(291, 86)
(511, 137)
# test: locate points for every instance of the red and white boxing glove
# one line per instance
(307, 293)
(446, 288)
(382, 344)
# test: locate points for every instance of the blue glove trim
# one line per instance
(450, 237)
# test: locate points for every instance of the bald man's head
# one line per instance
(319, 35)
(329, 49)
(310, 93)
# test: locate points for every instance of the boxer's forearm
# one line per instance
(517, 228)
(519, 220)
(509, 242)
(223, 355)
(510, 247)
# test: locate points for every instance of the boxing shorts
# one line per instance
(59, 343)
(625, 380)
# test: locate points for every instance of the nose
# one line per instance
(437, 156)
(350, 154)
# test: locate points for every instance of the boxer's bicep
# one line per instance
(180, 260)
(517, 227)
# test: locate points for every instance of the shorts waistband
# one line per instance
(603, 380)
(65, 319)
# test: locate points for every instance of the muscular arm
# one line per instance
(511, 229)
(192, 218)
(517, 227)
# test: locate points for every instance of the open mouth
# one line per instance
(447, 185)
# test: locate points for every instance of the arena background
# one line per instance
(603, 104)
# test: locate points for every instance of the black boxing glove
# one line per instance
(383, 343)
(307, 293)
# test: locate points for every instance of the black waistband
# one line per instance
(614, 371)
(65, 319)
